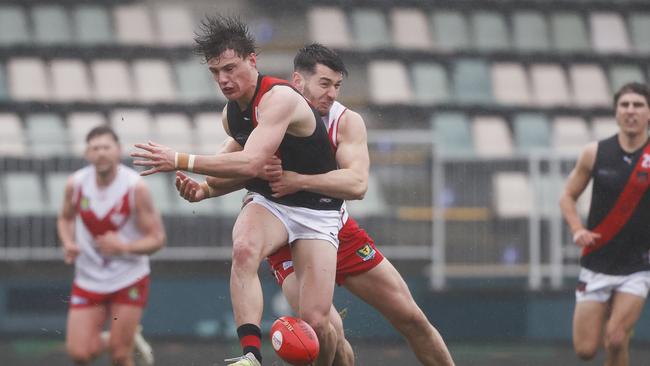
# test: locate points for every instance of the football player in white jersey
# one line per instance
(108, 227)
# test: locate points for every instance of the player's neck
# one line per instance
(632, 142)
(247, 97)
(104, 179)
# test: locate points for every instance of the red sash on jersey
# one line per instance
(629, 198)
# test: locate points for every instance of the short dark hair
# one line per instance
(633, 87)
(102, 130)
(219, 33)
(309, 56)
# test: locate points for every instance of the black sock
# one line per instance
(250, 339)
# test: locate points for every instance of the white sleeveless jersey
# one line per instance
(332, 122)
(100, 210)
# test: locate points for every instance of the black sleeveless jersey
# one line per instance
(627, 251)
(305, 155)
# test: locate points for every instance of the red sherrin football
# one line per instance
(294, 341)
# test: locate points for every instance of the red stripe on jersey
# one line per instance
(625, 205)
(97, 226)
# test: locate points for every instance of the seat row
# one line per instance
(494, 136)
(447, 30)
(49, 134)
(462, 80)
(88, 24)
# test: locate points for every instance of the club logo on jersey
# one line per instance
(134, 293)
(645, 164)
(582, 286)
(85, 203)
(366, 252)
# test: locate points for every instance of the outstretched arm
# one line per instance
(350, 181)
(276, 110)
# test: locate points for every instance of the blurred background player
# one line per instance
(318, 74)
(266, 116)
(108, 226)
(615, 275)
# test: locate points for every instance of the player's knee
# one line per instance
(80, 355)
(615, 340)
(585, 352)
(120, 354)
(318, 321)
(244, 254)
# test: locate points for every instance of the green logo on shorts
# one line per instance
(134, 293)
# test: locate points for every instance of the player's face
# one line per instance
(236, 76)
(632, 113)
(322, 88)
(104, 153)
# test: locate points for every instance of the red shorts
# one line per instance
(136, 294)
(357, 254)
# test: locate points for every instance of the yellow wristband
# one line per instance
(182, 161)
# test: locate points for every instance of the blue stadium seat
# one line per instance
(195, 83)
(24, 194)
(93, 25)
(13, 25)
(530, 31)
(452, 133)
(430, 83)
(569, 32)
(490, 31)
(47, 135)
(639, 24)
(370, 29)
(620, 74)
(532, 132)
(51, 25)
(450, 30)
(472, 81)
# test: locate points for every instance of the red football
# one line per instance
(294, 341)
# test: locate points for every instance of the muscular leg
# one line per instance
(389, 294)
(626, 310)
(83, 343)
(315, 268)
(344, 355)
(256, 234)
(588, 321)
(124, 321)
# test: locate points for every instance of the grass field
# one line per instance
(50, 352)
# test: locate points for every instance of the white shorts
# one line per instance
(303, 223)
(594, 286)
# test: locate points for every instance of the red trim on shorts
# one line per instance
(136, 294)
(357, 254)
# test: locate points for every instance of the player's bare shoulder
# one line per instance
(351, 126)
(587, 157)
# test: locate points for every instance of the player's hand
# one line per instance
(158, 158)
(70, 253)
(110, 244)
(288, 183)
(272, 169)
(188, 188)
(585, 238)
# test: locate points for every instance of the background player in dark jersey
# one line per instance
(318, 74)
(615, 274)
(266, 116)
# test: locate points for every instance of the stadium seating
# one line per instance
(93, 25)
(13, 25)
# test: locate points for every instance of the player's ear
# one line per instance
(298, 80)
(252, 58)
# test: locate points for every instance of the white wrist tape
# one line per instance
(190, 163)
